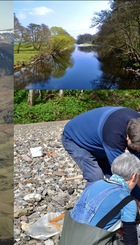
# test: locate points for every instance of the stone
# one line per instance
(71, 191)
(32, 197)
(49, 242)
(40, 187)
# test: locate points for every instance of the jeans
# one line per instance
(93, 169)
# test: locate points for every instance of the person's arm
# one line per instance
(112, 153)
(130, 233)
(128, 217)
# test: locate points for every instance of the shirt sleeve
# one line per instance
(129, 212)
(128, 217)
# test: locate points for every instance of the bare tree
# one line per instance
(19, 32)
(37, 35)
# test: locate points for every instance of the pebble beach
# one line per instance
(50, 183)
(46, 184)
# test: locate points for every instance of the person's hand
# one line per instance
(120, 231)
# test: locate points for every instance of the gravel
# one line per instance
(43, 184)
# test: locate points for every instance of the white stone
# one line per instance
(49, 242)
(32, 197)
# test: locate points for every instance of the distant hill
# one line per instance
(6, 59)
(6, 31)
(7, 36)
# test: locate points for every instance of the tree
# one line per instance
(45, 33)
(38, 35)
(85, 38)
(119, 29)
(56, 30)
(60, 41)
(19, 32)
(126, 17)
(32, 96)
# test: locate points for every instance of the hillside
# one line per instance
(6, 99)
(6, 59)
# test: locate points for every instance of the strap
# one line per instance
(114, 211)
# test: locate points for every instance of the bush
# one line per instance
(71, 104)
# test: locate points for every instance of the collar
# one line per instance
(119, 180)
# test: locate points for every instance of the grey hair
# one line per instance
(126, 165)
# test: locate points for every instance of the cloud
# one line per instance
(40, 11)
(21, 16)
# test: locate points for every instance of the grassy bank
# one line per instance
(71, 104)
(25, 54)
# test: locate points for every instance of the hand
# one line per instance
(120, 231)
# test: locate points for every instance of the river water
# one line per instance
(78, 69)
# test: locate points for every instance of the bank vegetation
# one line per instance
(50, 105)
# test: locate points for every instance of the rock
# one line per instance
(26, 158)
(49, 242)
(25, 226)
(32, 198)
(40, 187)
(70, 191)
(21, 212)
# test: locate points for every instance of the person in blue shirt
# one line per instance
(96, 137)
(100, 197)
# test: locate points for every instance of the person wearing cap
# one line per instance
(96, 137)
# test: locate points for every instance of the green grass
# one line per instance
(71, 104)
(25, 54)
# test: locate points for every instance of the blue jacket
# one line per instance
(98, 199)
(102, 131)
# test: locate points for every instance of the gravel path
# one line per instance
(41, 184)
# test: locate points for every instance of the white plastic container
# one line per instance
(36, 151)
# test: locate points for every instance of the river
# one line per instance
(78, 69)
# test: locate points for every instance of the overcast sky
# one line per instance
(73, 16)
(6, 15)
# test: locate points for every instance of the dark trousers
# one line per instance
(93, 169)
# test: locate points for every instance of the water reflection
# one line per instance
(87, 49)
(115, 76)
(42, 70)
(78, 68)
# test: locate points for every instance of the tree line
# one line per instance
(119, 31)
(42, 38)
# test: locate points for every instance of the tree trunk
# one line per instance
(31, 97)
(18, 48)
(61, 92)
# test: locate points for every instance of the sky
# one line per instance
(6, 15)
(73, 16)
